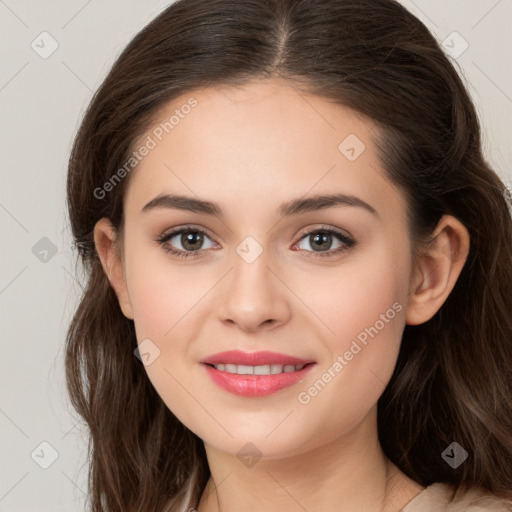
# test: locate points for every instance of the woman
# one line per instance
(295, 298)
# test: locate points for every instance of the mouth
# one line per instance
(256, 381)
(264, 369)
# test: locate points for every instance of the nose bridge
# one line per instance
(253, 295)
(250, 269)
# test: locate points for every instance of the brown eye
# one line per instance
(321, 241)
(185, 242)
(191, 240)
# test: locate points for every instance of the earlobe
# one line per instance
(104, 240)
(438, 270)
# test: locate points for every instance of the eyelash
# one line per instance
(347, 241)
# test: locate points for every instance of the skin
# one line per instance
(250, 149)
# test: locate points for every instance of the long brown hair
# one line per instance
(453, 377)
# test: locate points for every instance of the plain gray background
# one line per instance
(41, 103)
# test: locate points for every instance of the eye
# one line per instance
(320, 241)
(189, 240)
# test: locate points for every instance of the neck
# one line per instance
(349, 473)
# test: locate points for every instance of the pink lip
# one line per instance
(254, 358)
(254, 385)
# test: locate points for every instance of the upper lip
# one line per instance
(253, 358)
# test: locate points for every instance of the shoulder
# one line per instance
(441, 497)
(477, 499)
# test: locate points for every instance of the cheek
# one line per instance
(162, 294)
(363, 304)
(167, 300)
(355, 295)
(163, 300)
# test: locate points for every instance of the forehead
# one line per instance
(258, 144)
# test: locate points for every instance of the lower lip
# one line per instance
(256, 385)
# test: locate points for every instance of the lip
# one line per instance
(254, 358)
(255, 385)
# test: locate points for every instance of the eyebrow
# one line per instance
(294, 207)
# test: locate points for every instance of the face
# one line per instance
(272, 270)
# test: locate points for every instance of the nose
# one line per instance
(253, 298)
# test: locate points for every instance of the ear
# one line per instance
(438, 270)
(111, 261)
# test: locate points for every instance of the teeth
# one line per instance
(262, 370)
(276, 368)
(244, 370)
(266, 369)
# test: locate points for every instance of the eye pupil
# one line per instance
(322, 239)
(192, 240)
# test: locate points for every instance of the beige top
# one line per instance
(441, 497)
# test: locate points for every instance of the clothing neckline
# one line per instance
(438, 493)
